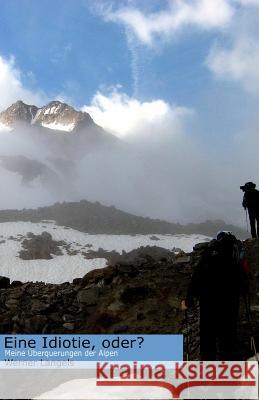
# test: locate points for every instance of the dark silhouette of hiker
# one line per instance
(217, 283)
(251, 203)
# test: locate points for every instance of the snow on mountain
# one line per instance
(60, 116)
(59, 127)
(4, 128)
(66, 267)
(54, 132)
(55, 115)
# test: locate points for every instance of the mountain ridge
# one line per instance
(97, 218)
(54, 115)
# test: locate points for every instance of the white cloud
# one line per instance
(236, 19)
(204, 14)
(11, 86)
(124, 115)
(165, 170)
(238, 63)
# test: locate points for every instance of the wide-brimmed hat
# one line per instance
(248, 186)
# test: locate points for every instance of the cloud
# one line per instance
(12, 88)
(127, 116)
(135, 52)
(160, 168)
(203, 14)
(229, 17)
(238, 63)
(165, 171)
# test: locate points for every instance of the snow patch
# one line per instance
(36, 116)
(31, 113)
(47, 111)
(52, 110)
(59, 127)
(66, 267)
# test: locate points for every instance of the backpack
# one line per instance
(225, 246)
(222, 266)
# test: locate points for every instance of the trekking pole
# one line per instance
(246, 221)
(249, 319)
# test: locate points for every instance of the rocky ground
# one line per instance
(135, 295)
(122, 298)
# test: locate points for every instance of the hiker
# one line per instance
(251, 203)
(217, 283)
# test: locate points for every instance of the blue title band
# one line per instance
(91, 347)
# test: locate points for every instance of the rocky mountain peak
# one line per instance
(55, 115)
(61, 116)
(18, 112)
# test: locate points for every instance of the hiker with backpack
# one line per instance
(217, 283)
(251, 204)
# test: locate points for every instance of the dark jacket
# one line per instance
(251, 200)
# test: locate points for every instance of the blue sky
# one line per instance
(75, 49)
(72, 49)
(68, 48)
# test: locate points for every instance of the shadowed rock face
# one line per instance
(28, 169)
(18, 112)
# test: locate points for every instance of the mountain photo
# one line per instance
(129, 175)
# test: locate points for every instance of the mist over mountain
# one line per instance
(57, 126)
(41, 147)
(55, 153)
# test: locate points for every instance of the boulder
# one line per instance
(70, 326)
(16, 283)
(40, 247)
(88, 296)
(200, 246)
(4, 282)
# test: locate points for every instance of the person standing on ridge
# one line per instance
(251, 203)
(218, 281)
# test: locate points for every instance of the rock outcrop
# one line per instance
(18, 112)
(40, 247)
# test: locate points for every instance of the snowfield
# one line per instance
(66, 267)
(87, 389)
